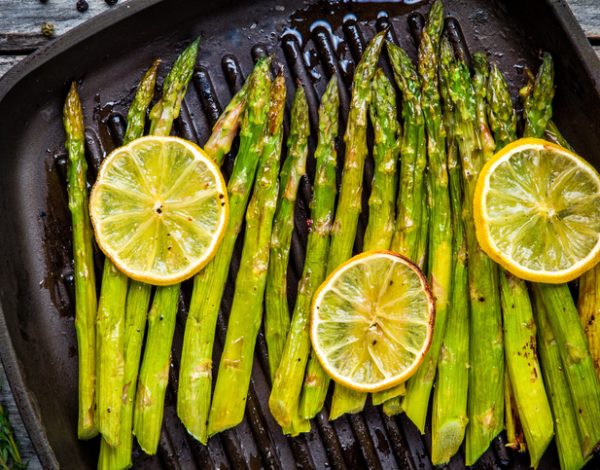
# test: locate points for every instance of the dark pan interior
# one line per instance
(37, 337)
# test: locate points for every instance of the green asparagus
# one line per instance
(411, 230)
(588, 300)
(515, 439)
(226, 128)
(287, 383)
(383, 114)
(136, 306)
(110, 350)
(154, 371)
(85, 282)
(577, 362)
(567, 434)
(537, 109)
(195, 374)
(526, 383)
(419, 387)
(411, 187)
(175, 85)
(348, 208)
(557, 300)
(277, 314)
(235, 368)
(588, 304)
(486, 390)
(449, 416)
(380, 229)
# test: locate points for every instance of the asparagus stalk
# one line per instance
(277, 314)
(195, 374)
(175, 85)
(565, 421)
(588, 304)
(449, 416)
(519, 326)
(419, 386)
(383, 114)
(486, 389)
(136, 306)
(287, 383)
(154, 371)
(225, 129)
(537, 109)
(85, 282)
(515, 439)
(411, 218)
(380, 229)
(558, 302)
(553, 134)
(349, 205)
(110, 347)
(588, 300)
(411, 231)
(577, 362)
(235, 368)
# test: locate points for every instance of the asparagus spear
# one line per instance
(537, 109)
(558, 302)
(136, 306)
(486, 390)
(110, 347)
(588, 300)
(235, 368)
(349, 205)
(154, 371)
(588, 304)
(287, 382)
(449, 416)
(195, 374)
(383, 114)
(411, 218)
(225, 129)
(419, 386)
(410, 234)
(138, 297)
(175, 85)
(515, 439)
(565, 421)
(519, 326)
(85, 283)
(577, 362)
(379, 232)
(277, 314)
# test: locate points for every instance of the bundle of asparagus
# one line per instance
(453, 119)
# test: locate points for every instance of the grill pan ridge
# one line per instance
(311, 42)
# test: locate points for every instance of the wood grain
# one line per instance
(587, 13)
(21, 21)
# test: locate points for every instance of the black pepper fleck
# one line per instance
(82, 6)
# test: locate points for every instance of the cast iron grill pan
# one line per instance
(310, 45)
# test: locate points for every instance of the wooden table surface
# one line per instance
(21, 26)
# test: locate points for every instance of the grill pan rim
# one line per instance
(71, 40)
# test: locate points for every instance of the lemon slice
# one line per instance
(159, 209)
(372, 320)
(537, 211)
